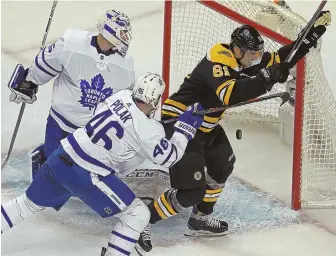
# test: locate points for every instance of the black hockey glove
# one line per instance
(317, 30)
(277, 73)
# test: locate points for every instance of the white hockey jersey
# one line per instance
(120, 137)
(85, 77)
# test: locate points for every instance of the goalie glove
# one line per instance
(317, 30)
(22, 91)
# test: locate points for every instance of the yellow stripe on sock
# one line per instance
(210, 199)
(213, 191)
(167, 205)
(159, 211)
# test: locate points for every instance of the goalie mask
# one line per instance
(149, 89)
(115, 27)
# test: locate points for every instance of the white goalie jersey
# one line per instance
(120, 137)
(84, 76)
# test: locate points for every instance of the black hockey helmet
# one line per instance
(247, 38)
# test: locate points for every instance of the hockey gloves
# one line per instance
(21, 90)
(277, 73)
(317, 30)
(188, 123)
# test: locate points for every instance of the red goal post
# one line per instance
(190, 28)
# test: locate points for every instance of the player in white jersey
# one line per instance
(118, 138)
(87, 67)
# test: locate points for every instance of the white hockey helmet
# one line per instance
(149, 89)
(115, 27)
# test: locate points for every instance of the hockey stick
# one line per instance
(23, 105)
(283, 95)
(305, 31)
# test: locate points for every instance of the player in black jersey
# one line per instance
(228, 74)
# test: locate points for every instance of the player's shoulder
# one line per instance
(126, 62)
(220, 53)
(74, 34)
(147, 128)
(150, 129)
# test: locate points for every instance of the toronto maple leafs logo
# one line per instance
(94, 93)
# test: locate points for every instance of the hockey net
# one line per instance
(192, 27)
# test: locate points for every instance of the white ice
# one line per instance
(258, 212)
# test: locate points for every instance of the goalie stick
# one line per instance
(23, 105)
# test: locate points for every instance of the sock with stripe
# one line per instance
(16, 210)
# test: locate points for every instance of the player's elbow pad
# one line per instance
(246, 89)
(172, 154)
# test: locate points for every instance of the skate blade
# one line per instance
(202, 233)
(139, 251)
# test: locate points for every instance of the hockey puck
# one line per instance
(239, 134)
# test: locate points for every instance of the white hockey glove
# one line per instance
(21, 90)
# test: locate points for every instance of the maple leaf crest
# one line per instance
(94, 93)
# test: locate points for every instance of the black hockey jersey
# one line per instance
(218, 79)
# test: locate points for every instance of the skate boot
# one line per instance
(200, 224)
(144, 243)
(103, 252)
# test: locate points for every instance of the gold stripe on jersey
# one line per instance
(274, 59)
(220, 54)
(222, 90)
(277, 57)
(271, 61)
(176, 104)
(228, 92)
(168, 113)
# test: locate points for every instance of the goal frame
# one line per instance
(300, 81)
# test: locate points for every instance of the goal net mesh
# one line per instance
(195, 27)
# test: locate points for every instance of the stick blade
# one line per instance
(285, 98)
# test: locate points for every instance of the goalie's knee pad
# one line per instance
(36, 160)
(16, 210)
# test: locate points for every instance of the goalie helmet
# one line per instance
(115, 27)
(149, 89)
(247, 38)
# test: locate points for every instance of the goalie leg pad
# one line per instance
(125, 234)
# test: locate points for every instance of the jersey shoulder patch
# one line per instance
(220, 53)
